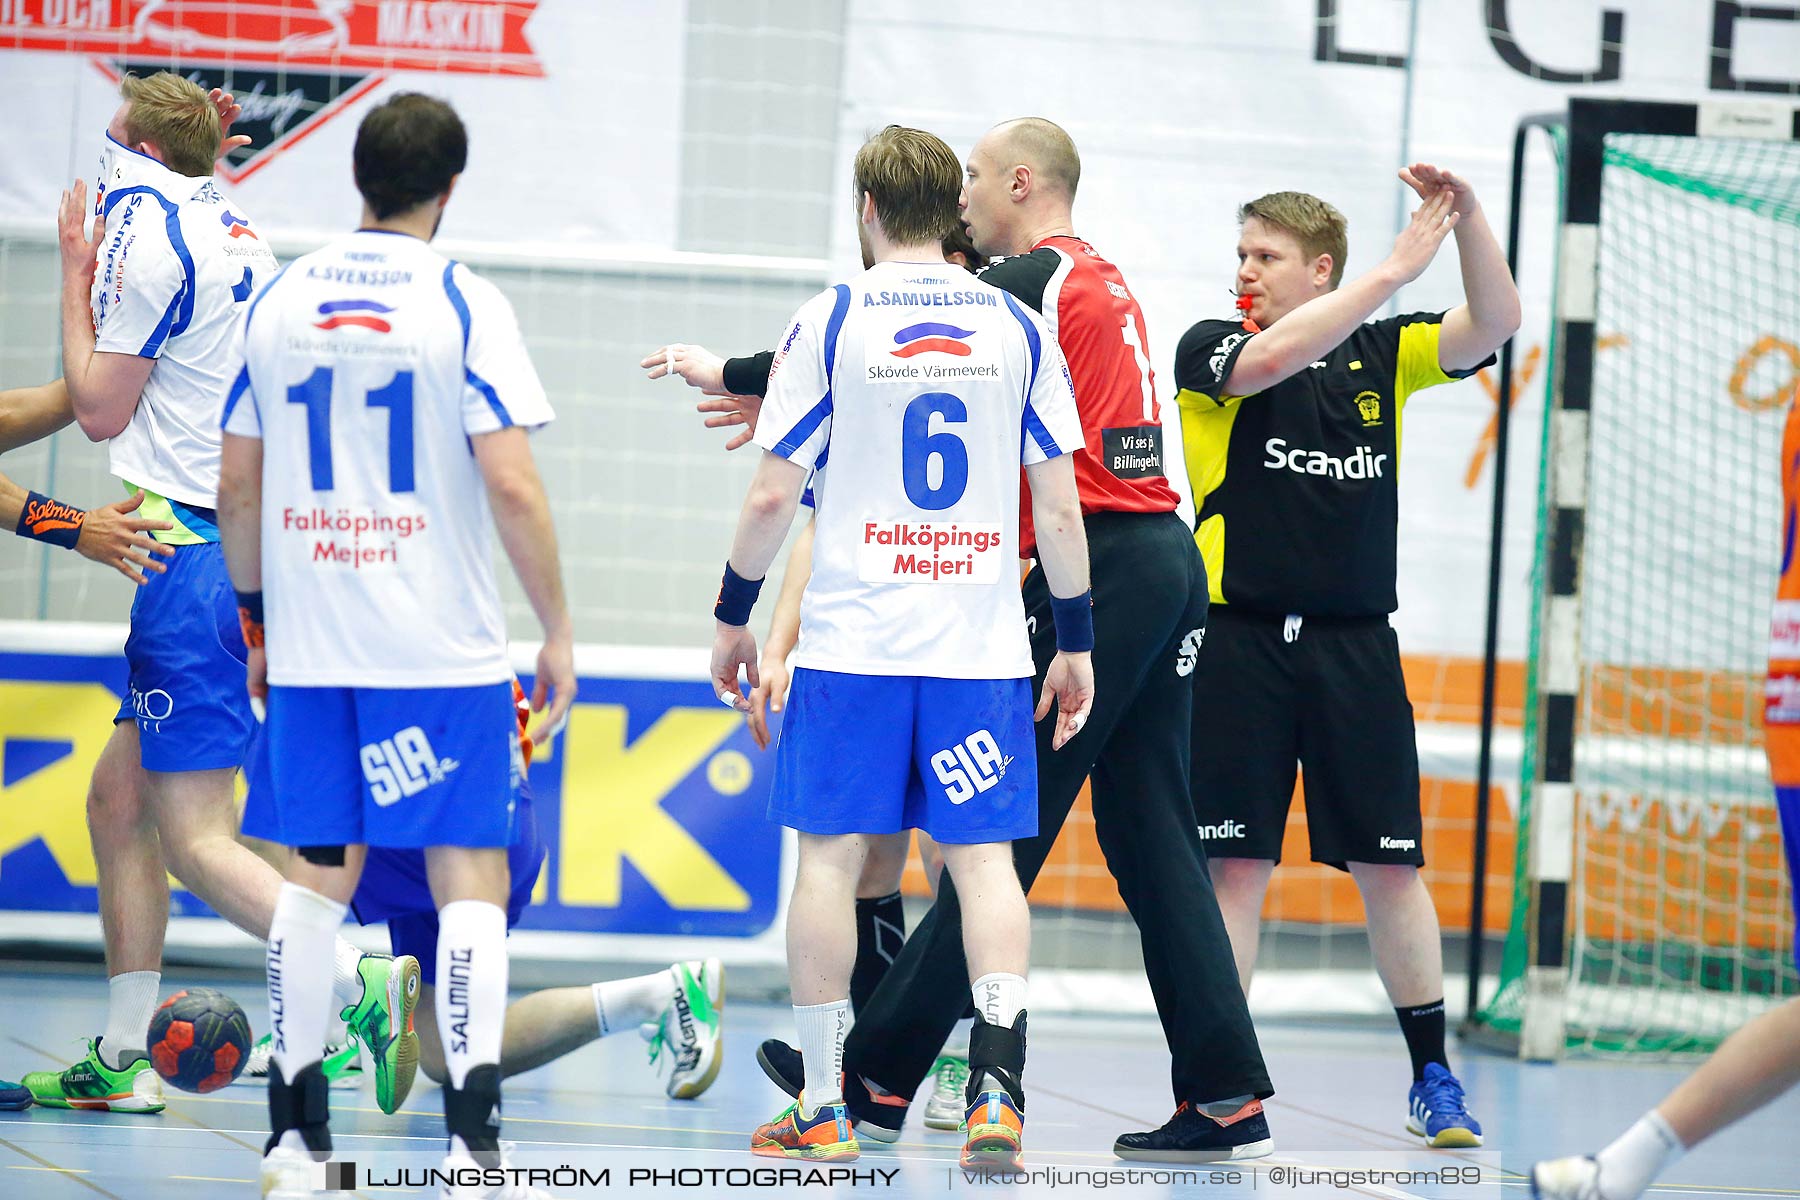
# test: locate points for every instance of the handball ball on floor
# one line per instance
(199, 1039)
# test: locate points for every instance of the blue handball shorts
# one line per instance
(394, 767)
(185, 658)
(881, 753)
(1787, 805)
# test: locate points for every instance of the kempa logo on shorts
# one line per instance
(1189, 652)
(403, 765)
(1388, 843)
(973, 766)
(1224, 829)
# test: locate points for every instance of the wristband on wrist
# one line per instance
(737, 596)
(1074, 618)
(250, 617)
(47, 520)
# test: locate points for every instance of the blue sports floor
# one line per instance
(1341, 1105)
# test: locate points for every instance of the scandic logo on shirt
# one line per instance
(361, 313)
(928, 337)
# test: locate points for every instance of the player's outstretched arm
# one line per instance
(762, 524)
(1490, 314)
(522, 515)
(109, 535)
(1063, 551)
(30, 414)
(733, 388)
(103, 388)
(1321, 324)
(784, 632)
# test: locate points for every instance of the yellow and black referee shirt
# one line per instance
(1296, 487)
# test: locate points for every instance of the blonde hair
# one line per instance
(1046, 148)
(1318, 227)
(174, 115)
(915, 180)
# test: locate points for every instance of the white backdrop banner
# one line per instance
(573, 106)
(1184, 110)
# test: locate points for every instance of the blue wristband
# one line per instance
(737, 596)
(1074, 622)
(251, 605)
(47, 520)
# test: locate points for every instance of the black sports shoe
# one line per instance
(875, 1115)
(783, 1065)
(1193, 1137)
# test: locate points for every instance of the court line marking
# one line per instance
(44, 1162)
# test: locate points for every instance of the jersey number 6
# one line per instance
(396, 396)
(918, 446)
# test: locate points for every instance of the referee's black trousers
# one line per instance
(1149, 608)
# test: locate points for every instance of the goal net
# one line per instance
(1651, 910)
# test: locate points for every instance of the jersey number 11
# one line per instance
(396, 396)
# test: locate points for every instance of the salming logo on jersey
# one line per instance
(403, 765)
(971, 767)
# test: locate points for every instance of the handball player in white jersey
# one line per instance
(376, 432)
(913, 395)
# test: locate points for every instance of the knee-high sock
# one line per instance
(471, 990)
(298, 961)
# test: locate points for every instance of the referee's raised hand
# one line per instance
(1069, 683)
(1418, 243)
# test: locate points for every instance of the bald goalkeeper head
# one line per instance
(1019, 186)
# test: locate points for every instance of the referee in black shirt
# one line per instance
(1291, 421)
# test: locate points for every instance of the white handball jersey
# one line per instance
(177, 264)
(368, 366)
(914, 394)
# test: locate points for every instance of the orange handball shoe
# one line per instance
(825, 1135)
(996, 1133)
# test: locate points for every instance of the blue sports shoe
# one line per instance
(14, 1096)
(1436, 1111)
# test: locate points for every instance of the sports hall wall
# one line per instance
(643, 172)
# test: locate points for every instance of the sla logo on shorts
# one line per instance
(1224, 829)
(969, 768)
(1389, 843)
(403, 765)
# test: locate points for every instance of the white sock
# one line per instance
(1630, 1165)
(346, 980)
(471, 990)
(128, 1007)
(822, 1028)
(624, 1004)
(299, 989)
(999, 998)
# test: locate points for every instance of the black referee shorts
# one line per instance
(1325, 693)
